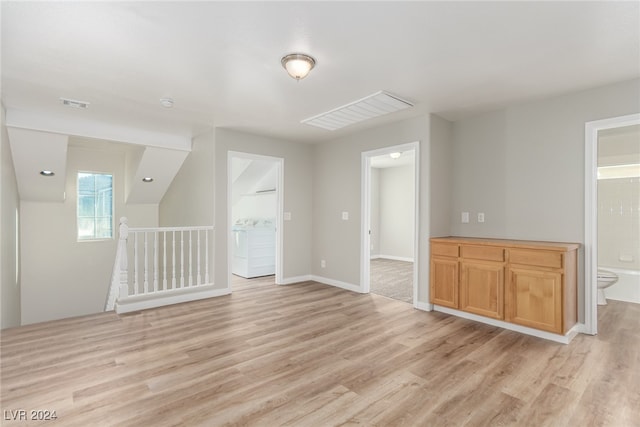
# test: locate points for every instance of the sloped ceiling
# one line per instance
(251, 176)
(162, 165)
(33, 152)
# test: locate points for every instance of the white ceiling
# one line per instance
(220, 61)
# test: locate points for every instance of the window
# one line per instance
(95, 206)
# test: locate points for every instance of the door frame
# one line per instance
(365, 211)
(591, 214)
(279, 161)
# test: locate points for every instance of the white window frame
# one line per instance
(113, 209)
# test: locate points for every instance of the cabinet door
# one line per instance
(444, 282)
(482, 288)
(534, 299)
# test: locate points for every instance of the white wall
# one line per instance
(375, 213)
(397, 212)
(9, 210)
(441, 169)
(189, 200)
(261, 206)
(297, 197)
(523, 166)
(337, 188)
(62, 277)
(254, 204)
(619, 223)
(198, 195)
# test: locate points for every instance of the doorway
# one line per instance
(593, 132)
(254, 200)
(389, 251)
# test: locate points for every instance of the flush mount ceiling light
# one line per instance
(73, 103)
(147, 179)
(298, 65)
(47, 173)
(166, 102)
(395, 155)
(375, 105)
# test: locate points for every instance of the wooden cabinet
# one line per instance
(482, 280)
(444, 275)
(444, 282)
(482, 288)
(541, 291)
(534, 299)
(528, 283)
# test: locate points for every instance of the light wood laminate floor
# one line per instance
(392, 279)
(315, 355)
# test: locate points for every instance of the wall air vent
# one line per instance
(378, 104)
(74, 103)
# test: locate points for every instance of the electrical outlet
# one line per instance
(323, 263)
(480, 216)
(465, 217)
(345, 216)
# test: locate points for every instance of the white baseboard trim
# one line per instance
(159, 299)
(563, 339)
(296, 279)
(394, 258)
(582, 329)
(425, 306)
(337, 283)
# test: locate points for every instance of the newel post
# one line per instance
(122, 250)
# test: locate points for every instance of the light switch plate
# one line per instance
(345, 216)
(465, 217)
(287, 216)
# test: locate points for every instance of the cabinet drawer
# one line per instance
(444, 249)
(488, 253)
(538, 258)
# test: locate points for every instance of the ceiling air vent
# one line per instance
(378, 104)
(74, 103)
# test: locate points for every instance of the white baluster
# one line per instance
(136, 284)
(181, 258)
(199, 278)
(155, 261)
(122, 248)
(164, 260)
(146, 265)
(173, 243)
(190, 260)
(206, 256)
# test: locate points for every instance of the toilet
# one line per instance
(606, 278)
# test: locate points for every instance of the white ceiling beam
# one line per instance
(61, 124)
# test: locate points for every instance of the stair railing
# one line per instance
(159, 262)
